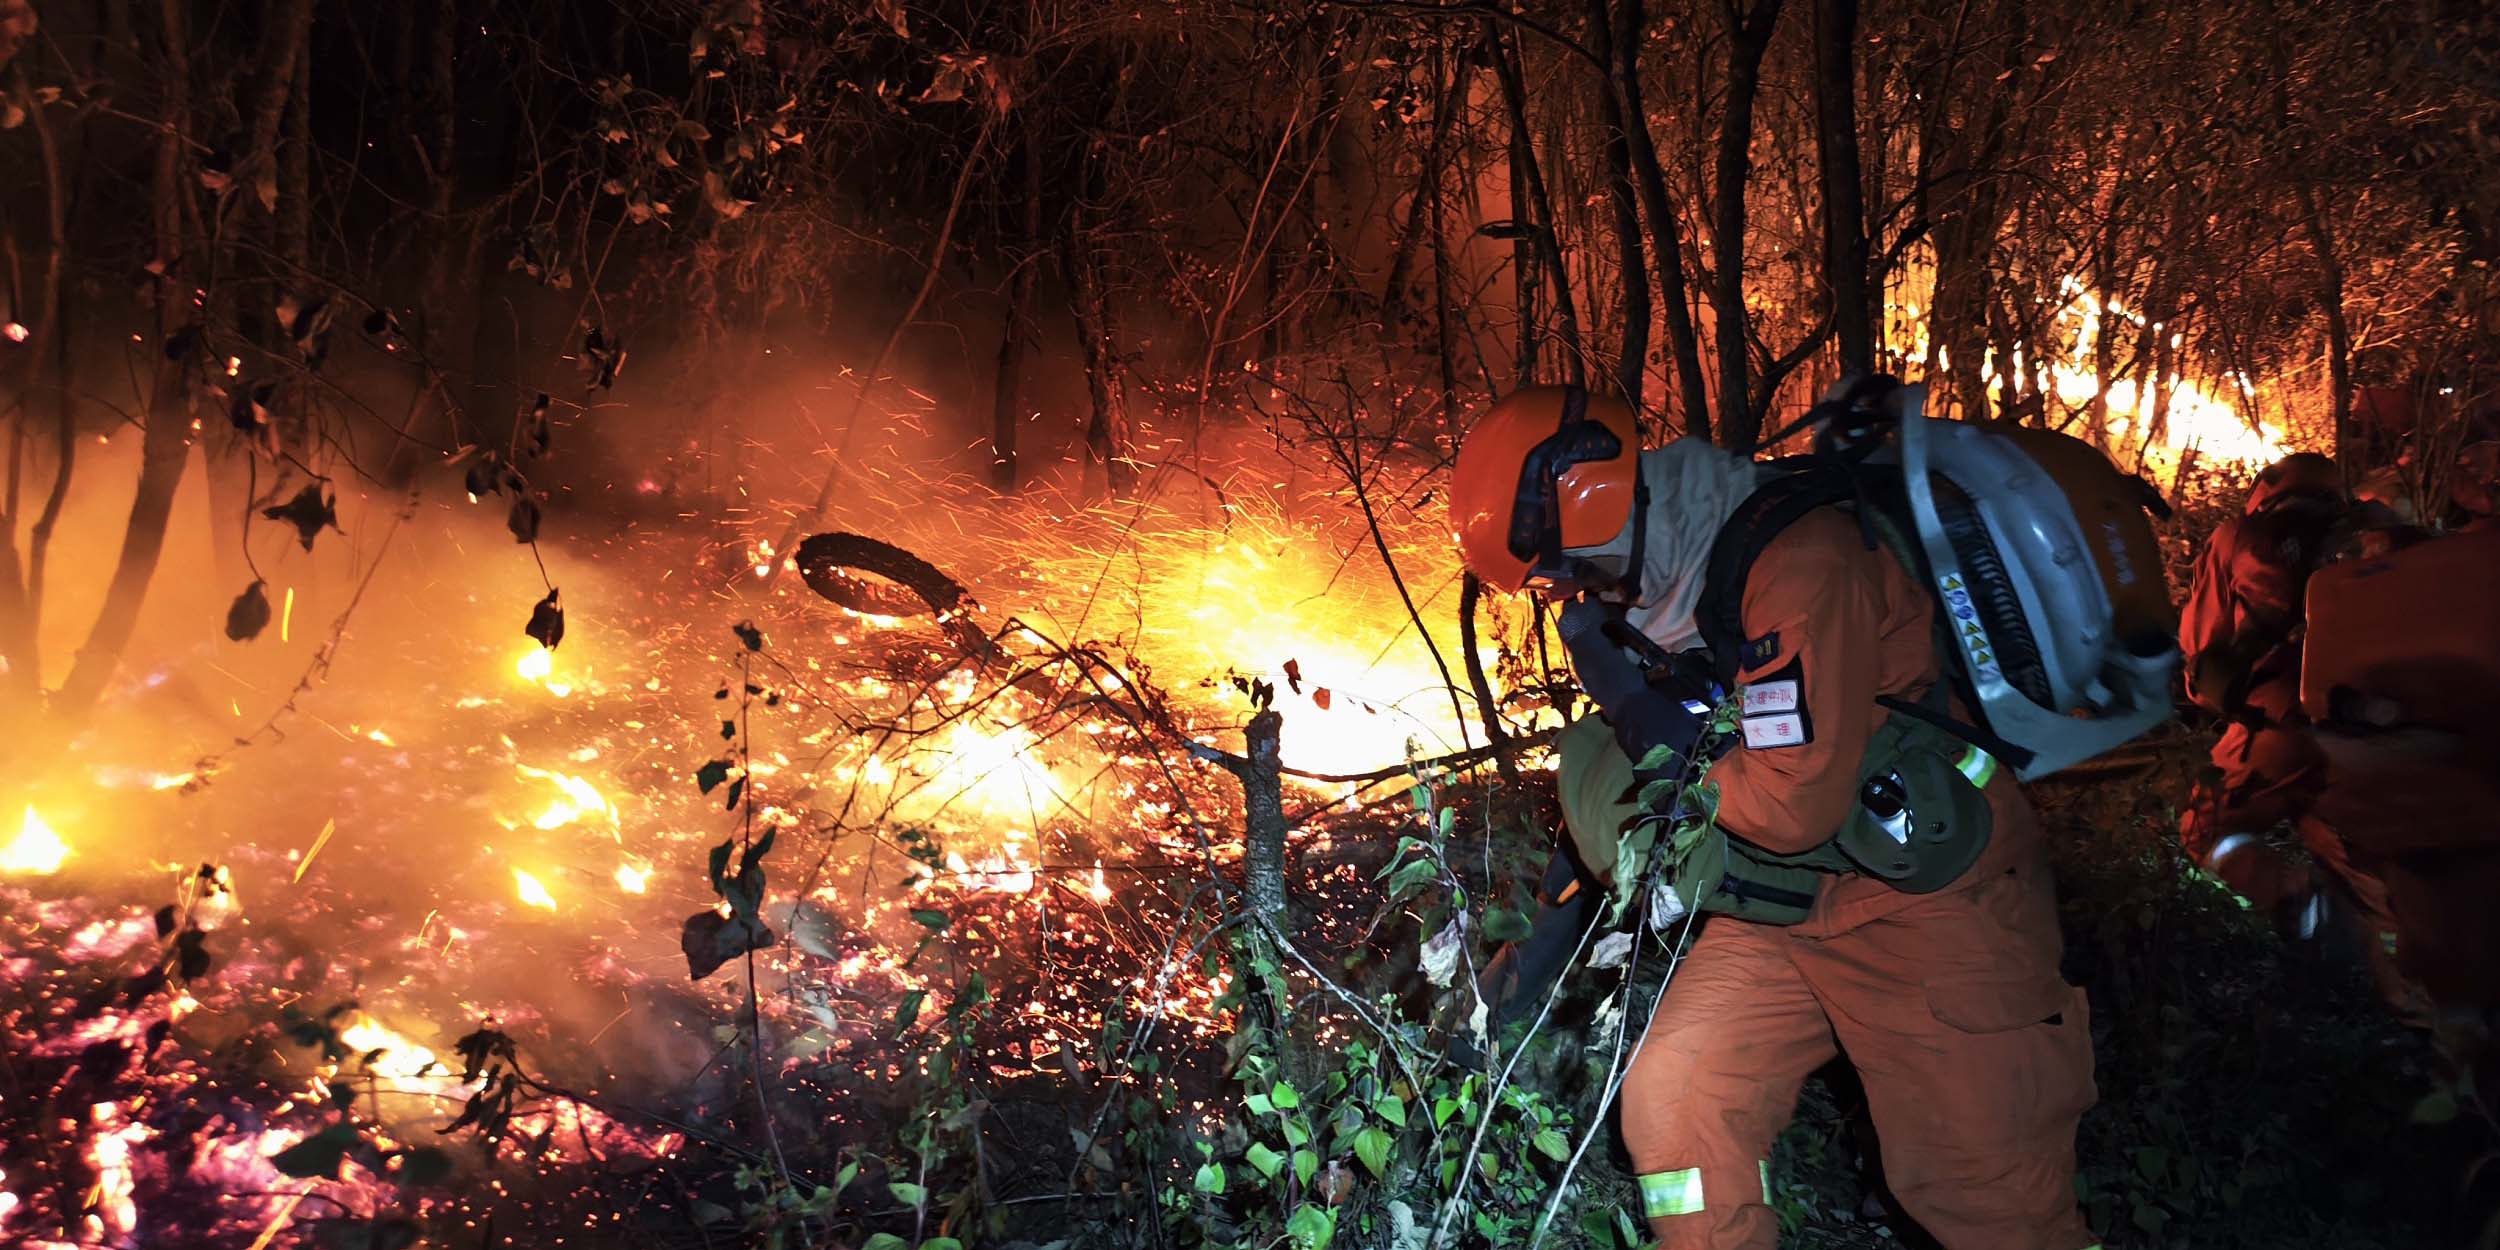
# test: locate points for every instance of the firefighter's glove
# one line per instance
(1642, 716)
(1607, 675)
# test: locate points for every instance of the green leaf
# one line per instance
(842, 1179)
(706, 1212)
(908, 1194)
(1505, 925)
(1267, 1161)
(908, 1010)
(941, 1243)
(711, 775)
(1259, 1104)
(1311, 1227)
(1286, 1096)
(2437, 1107)
(1414, 875)
(1372, 1147)
(1211, 1178)
(1656, 757)
(885, 1241)
(1392, 1108)
(1305, 1165)
(1552, 1143)
(1447, 819)
(1296, 1133)
(1442, 1109)
(719, 864)
(318, 1155)
(2150, 1218)
(930, 919)
(2151, 1162)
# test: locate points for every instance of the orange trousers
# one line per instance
(1975, 1053)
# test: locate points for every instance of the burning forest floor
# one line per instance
(414, 962)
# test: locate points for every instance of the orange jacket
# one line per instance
(1845, 624)
(2239, 631)
(1852, 625)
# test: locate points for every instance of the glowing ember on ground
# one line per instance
(36, 850)
(632, 879)
(537, 666)
(578, 799)
(531, 891)
(386, 1052)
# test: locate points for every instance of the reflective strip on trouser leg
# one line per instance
(1977, 766)
(1671, 1193)
(2224, 849)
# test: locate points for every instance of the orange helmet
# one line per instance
(1549, 468)
(2303, 475)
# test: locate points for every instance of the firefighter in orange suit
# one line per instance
(2242, 634)
(1975, 1053)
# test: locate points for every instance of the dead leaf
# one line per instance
(547, 620)
(1440, 953)
(249, 613)
(310, 512)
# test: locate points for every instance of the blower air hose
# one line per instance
(1992, 594)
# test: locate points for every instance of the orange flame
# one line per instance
(36, 850)
(531, 891)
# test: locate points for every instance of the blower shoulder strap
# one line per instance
(1773, 506)
(1779, 503)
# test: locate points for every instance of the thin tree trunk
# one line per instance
(1844, 210)
(1451, 89)
(1666, 237)
(2338, 324)
(1005, 408)
(1441, 274)
(166, 442)
(1260, 772)
(1967, 228)
(437, 409)
(285, 45)
(2104, 338)
(875, 372)
(1749, 36)
(1540, 221)
(48, 372)
(1496, 733)
(1106, 427)
(1632, 364)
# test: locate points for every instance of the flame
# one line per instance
(169, 781)
(2212, 425)
(531, 891)
(633, 878)
(577, 799)
(400, 1058)
(537, 666)
(36, 851)
(997, 768)
(2213, 420)
(111, 1209)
